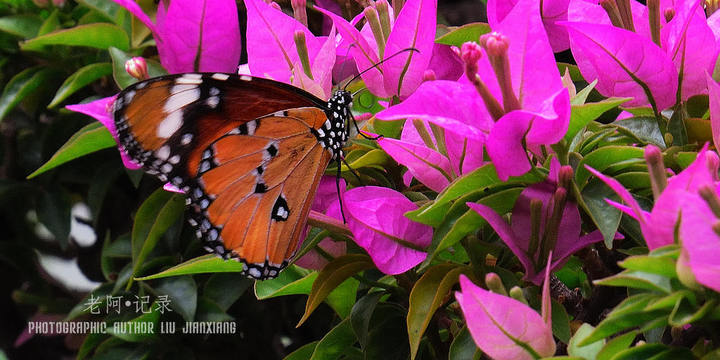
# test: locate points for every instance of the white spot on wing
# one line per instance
(220, 76)
(189, 79)
(169, 125)
(178, 100)
(163, 152)
(245, 78)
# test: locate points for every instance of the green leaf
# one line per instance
(81, 78)
(646, 352)
(361, 314)
(479, 179)
(560, 322)
(335, 342)
(470, 221)
(182, 295)
(468, 32)
(582, 95)
(291, 281)
(23, 85)
(50, 24)
(583, 114)
(684, 313)
(146, 324)
(108, 9)
(638, 280)
(154, 217)
(428, 294)
(332, 275)
(628, 314)
(122, 78)
(91, 341)
(616, 345)
(225, 288)
(199, 265)
(463, 347)
(589, 351)
(302, 353)
(387, 338)
(24, 25)
(644, 128)
(89, 139)
(663, 266)
(605, 157)
(373, 158)
(342, 298)
(53, 211)
(97, 35)
(605, 216)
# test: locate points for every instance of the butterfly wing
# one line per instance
(245, 150)
(163, 122)
(254, 189)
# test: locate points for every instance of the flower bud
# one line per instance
(137, 68)
(300, 11)
(496, 46)
(302, 51)
(517, 294)
(494, 284)
(669, 14)
(373, 21)
(656, 169)
(429, 75)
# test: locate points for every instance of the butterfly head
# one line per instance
(333, 134)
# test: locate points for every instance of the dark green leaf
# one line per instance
(581, 115)
(182, 294)
(24, 25)
(225, 288)
(361, 314)
(108, 9)
(154, 217)
(332, 275)
(664, 266)
(98, 35)
(23, 85)
(463, 347)
(605, 216)
(560, 322)
(335, 342)
(428, 294)
(644, 128)
(81, 78)
(53, 211)
(303, 353)
(89, 139)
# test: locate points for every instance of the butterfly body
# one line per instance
(248, 152)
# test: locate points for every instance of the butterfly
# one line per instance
(248, 152)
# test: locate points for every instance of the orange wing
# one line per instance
(254, 186)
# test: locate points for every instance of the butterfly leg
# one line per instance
(337, 186)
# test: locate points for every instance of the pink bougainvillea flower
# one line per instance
(553, 12)
(375, 217)
(326, 202)
(194, 35)
(101, 110)
(642, 61)
(273, 50)
(431, 102)
(532, 248)
(714, 95)
(658, 226)
(399, 76)
(701, 242)
(502, 327)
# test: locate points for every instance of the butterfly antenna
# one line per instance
(378, 64)
(360, 132)
(337, 186)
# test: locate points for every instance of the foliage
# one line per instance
(508, 210)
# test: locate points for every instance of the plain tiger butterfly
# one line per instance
(248, 153)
